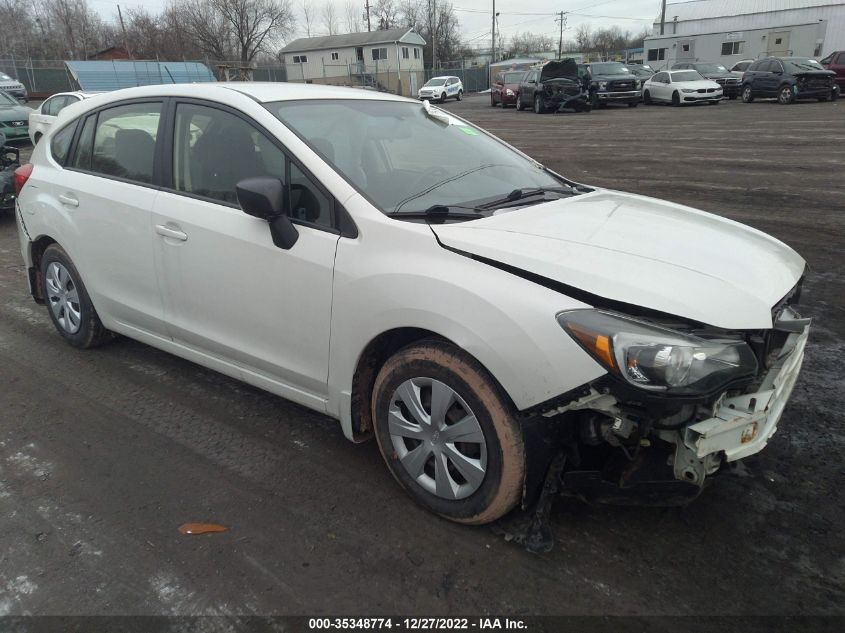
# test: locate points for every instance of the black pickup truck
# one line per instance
(554, 87)
(611, 82)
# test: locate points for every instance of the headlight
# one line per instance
(602, 85)
(636, 83)
(656, 358)
(509, 92)
(687, 90)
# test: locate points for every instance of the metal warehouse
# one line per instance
(728, 31)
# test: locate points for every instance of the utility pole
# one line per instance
(432, 27)
(493, 47)
(367, 7)
(663, 17)
(123, 28)
(562, 20)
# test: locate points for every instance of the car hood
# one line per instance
(566, 68)
(613, 77)
(724, 75)
(14, 113)
(698, 83)
(641, 251)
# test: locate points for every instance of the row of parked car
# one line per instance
(565, 85)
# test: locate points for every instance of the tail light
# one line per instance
(22, 174)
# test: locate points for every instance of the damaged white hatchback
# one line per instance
(493, 324)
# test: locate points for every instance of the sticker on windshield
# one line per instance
(468, 131)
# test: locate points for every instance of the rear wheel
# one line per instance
(747, 94)
(68, 302)
(676, 99)
(786, 95)
(448, 434)
(460, 95)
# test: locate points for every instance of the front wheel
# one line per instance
(747, 95)
(633, 105)
(492, 102)
(834, 95)
(519, 102)
(68, 302)
(712, 103)
(647, 98)
(448, 434)
(786, 95)
(676, 99)
(443, 98)
(538, 105)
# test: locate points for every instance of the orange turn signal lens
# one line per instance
(597, 344)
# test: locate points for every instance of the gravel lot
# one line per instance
(104, 454)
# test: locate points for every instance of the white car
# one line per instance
(474, 311)
(441, 88)
(13, 87)
(41, 119)
(681, 87)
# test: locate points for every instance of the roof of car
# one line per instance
(444, 77)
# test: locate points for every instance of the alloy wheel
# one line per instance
(437, 438)
(63, 298)
(785, 95)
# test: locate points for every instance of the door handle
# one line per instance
(176, 234)
(68, 200)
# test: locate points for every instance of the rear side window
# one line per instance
(52, 106)
(124, 141)
(60, 144)
(85, 144)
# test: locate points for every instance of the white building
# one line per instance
(392, 58)
(728, 31)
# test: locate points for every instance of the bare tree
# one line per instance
(523, 44)
(329, 17)
(353, 17)
(308, 15)
(208, 29)
(386, 14)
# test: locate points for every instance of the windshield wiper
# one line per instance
(441, 211)
(528, 192)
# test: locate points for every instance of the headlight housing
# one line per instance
(687, 89)
(509, 92)
(658, 359)
(602, 85)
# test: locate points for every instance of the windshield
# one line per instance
(686, 75)
(400, 158)
(437, 81)
(801, 65)
(512, 78)
(711, 68)
(609, 68)
(6, 99)
(5, 77)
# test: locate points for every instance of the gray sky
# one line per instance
(516, 16)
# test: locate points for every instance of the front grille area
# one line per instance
(706, 90)
(619, 86)
(12, 123)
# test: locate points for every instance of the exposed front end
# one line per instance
(617, 91)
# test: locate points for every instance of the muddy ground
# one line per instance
(105, 453)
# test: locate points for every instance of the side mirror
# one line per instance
(265, 198)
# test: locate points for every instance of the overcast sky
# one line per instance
(516, 16)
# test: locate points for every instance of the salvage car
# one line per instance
(13, 87)
(612, 82)
(709, 70)
(43, 117)
(504, 89)
(14, 118)
(681, 87)
(441, 88)
(493, 324)
(788, 79)
(836, 62)
(554, 87)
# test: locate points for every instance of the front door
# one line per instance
(228, 291)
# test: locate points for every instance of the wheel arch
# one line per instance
(36, 253)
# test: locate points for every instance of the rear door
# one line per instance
(106, 192)
(228, 291)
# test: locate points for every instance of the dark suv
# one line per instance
(552, 88)
(709, 70)
(788, 79)
(611, 82)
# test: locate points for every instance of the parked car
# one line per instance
(400, 269)
(730, 83)
(14, 117)
(836, 63)
(505, 87)
(442, 88)
(13, 87)
(739, 68)
(43, 117)
(681, 87)
(612, 82)
(788, 79)
(9, 162)
(553, 87)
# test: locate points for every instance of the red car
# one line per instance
(836, 62)
(505, 88)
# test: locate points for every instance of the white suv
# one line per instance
(441, 88)
(474, 311)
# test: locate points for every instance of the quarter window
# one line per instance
(84, 146)
(125, 140)
(52, 106)
(60, 144)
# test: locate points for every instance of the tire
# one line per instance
(443, 98)
(494, 464)
(538, 105)
(785, 95)
(493, 102)
(712, 103)
(460, 95)
(68, 303)
(647, 98)
(732, 97)
(519, 102)
(676, 99)
(834, 95)
(747, 94)
(633, 105)
(594, 100)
